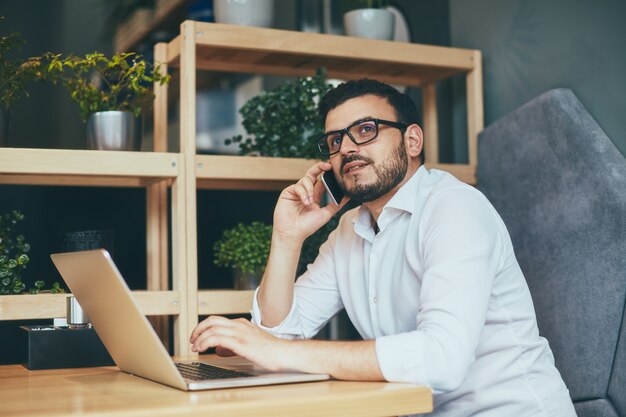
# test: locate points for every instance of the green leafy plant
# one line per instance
(98, 83)
(15, 74)
(285, 121)
(13, 257)
(246, 247)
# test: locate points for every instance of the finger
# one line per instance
(303, 194)
(309, 186)
(205, 324)
(318, 191)
(214, 336)
(317, 169)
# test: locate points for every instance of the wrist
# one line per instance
(287, 240)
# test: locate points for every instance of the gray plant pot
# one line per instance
(244, 12)
(113, 131)
(370, 23)
(246, 280)
(4, 126)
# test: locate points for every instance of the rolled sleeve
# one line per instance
(287, 329)
(400, 358)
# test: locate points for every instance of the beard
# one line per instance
(388, 175)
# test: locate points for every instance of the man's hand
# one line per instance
(298, 213)
(239, 337)
(342, 360)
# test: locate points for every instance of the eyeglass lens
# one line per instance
(361, 132)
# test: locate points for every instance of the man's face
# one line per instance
(371, 170)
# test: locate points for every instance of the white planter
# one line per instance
(244, 12)
(370, 23)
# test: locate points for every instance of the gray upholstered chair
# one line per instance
(559, 183)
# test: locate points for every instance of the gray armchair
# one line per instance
(559, 183)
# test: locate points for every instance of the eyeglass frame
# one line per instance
(346, 131)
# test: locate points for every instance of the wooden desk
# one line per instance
(108, 392)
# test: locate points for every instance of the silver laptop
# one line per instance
(99, 288)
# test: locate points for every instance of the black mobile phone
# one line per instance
(332, 187)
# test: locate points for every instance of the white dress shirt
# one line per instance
(440, 290)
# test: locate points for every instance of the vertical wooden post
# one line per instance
(431, 128)
(475, 112)
(184, 193)
(157, 228)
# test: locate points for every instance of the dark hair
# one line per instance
(403, 106)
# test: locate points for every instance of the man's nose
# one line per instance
(347, 145)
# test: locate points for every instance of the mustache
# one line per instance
(355, 157)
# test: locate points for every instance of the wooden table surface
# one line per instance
(106, 391)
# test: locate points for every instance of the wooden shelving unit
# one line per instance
(217, 47)
(226, 48)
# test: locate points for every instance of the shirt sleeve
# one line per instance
(462, 248)
(316, 298)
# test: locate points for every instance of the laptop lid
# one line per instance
(127, 334)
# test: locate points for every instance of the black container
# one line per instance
(50, 347)
(88, 240)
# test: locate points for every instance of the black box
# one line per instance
(50, 347)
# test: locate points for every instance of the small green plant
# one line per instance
(16, 74)
(14, 258)
(245, 247)
(285, 121)
(98, 83)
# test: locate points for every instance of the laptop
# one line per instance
(100, 289)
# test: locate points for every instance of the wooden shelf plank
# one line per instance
(249, 172)
(82, 167)
(265, 173)
(280, 52)
(47, 306)
(224, 302)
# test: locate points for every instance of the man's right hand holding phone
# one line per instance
(298, 213)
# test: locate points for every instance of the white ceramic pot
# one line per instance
(370, 23)
(244, 12)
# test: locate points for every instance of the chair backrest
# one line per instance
(559, 183)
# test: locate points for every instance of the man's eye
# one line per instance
(367, 128)
(334, 140)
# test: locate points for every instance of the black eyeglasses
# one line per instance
(359, 132)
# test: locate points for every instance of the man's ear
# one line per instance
(414, 138)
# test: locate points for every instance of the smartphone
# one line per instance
(332, 187)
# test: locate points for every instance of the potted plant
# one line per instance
(14, 258)
(245, 248)
(369, 19)
(111, 93)
(284, 122)
(14, 77)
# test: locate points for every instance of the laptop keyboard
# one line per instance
(198, 371)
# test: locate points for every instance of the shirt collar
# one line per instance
(403, 200)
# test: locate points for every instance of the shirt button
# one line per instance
(375, 300)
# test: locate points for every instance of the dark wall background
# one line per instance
(531, 46)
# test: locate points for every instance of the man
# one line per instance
(424, 268)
